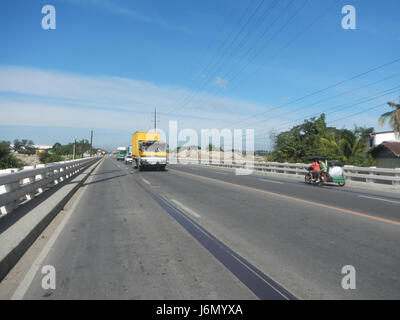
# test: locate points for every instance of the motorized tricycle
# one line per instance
(334, 174)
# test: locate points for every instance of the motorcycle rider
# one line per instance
(315, 171)
(323, 170)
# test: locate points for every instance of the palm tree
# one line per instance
(345, 148)
(329, 143)
(392, 116)
(353, 145)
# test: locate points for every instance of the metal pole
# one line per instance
(74, 150)
(155, 120)
(91, 142)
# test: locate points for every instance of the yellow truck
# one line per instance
(148, 150)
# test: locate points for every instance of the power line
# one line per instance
(357, 113)
(209, 72)
(344, 106)
(259, 51)
(322, 90)
(290, 42)
(330, 98)
(225, 76)
(212, 60)
(206, 65)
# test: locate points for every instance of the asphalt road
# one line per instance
(127, 240)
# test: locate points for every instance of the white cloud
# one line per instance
(114, 8)
(219, 82)
(38, 97)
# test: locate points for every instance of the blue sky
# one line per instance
(110, 62)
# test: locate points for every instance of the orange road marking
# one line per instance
(356, 213)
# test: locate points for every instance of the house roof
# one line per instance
(382, 132)
(393, 147)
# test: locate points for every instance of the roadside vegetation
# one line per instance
(315, 138)
(22, 152)
(393, 117)
(7, 159)
(65, 152)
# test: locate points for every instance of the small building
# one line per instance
(377, 138)
(387, 154)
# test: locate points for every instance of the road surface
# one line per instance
(197, 232)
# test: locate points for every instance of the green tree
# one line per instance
(353, 146)
(300, 142)
(7, 160)
(24, 146)
(393, 117)
(332, 147)
(314, 138)
(49, 158)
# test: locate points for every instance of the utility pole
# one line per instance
(91, 142)
(155, 119)
(74, 150)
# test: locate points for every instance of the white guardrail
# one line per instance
(19, 186)
(361, 174)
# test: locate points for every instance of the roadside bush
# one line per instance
(49, 158)
(7, 160)
(363, 160)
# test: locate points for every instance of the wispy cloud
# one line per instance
(38, 97)
(115, 8)
(219, 82)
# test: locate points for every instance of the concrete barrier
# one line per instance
(21, 228)
(19, 186)
(362, 174)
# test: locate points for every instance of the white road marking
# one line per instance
(273, 181)
(221, 172)
(392, 201)
(30, 275)
(146, 181)
(194, 214)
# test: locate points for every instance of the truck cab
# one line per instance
(148, 150)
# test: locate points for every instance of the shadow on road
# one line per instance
(105, 179)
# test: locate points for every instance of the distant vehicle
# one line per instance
(148, 150)
(128, 159)
(121, 154)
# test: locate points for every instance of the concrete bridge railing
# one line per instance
(360, 174)
(19, 186)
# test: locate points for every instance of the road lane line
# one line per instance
(146, 181)
(272, 181)
(258, 282)
(317, 204)
(381, 199)
(184, 208)
(30, 275)
(221, 172)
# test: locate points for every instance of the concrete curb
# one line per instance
(19, 236)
